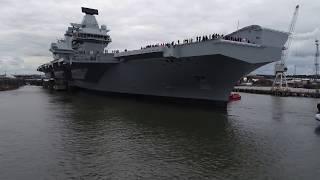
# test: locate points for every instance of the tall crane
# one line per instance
(280, 81)
(316, 62)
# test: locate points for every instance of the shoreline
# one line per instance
(292, 92)
(8, 88)
(7, 84)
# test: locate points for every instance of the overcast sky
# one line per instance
(28, 27)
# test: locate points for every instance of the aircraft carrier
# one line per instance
(204, 70)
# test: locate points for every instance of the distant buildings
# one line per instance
(295, 81)
(9, 82)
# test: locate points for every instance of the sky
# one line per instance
(29, 27)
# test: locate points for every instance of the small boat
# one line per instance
(318, 113)
(234, 97)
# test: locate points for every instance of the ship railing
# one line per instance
(105, 38)
(96, 39)
(240, 43)
(139, 51)
(99, 58)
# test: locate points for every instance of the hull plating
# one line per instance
(209, 78)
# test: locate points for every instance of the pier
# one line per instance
(294, 92)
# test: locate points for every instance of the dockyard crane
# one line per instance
(280, 81)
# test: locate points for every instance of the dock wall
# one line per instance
(295, 92)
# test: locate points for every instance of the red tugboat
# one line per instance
(234, 97)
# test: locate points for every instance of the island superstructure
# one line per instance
(204, 70)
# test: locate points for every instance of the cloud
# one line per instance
(304, 43)
(308, 35)
(11, 61)
(28, 27)
(8, 63)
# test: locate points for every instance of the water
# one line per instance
(47, 135)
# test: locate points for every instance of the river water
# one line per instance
(58, 135)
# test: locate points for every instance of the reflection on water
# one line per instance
(317, 130)
(59, 135)
(277, 108)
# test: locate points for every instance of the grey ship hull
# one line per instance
(205, 78)
(202, 70)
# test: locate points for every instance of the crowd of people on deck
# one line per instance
(196, 40)
(199, 39)
(115, 51)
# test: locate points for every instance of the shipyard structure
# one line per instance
(204, 70)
